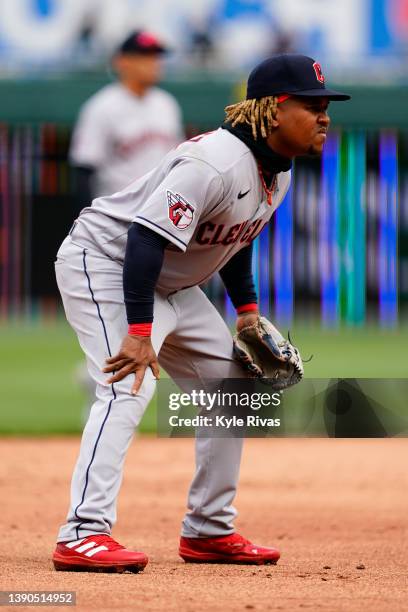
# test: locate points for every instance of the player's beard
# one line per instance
(317, 150)
(314, 152)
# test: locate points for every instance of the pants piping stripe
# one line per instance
(110, 403)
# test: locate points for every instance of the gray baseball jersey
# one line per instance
(123, 135)
(206, 197)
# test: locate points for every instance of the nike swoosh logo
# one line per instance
(241, 195)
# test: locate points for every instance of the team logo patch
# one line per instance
(181, 213)
(318, 70)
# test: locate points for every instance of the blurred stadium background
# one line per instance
(333, 265)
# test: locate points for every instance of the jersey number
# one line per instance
(200, 136)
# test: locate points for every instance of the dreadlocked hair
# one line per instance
(259, 114)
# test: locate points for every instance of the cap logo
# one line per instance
(318, 70)
(146, 40)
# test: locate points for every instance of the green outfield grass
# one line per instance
(40, 393)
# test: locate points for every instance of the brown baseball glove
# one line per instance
(267, 355)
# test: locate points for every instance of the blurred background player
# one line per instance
(125, 129)
(122, 132)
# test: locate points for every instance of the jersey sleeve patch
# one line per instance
(180, 212)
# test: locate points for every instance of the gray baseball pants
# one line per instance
(191, 341)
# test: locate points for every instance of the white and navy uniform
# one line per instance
(122, 135)
(208, 200)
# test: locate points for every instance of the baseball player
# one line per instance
(122, 132)
(129, 276)
(127, 127)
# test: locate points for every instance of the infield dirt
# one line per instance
(337, 509)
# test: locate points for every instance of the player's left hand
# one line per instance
(246, 319)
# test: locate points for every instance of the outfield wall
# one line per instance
(337, 250)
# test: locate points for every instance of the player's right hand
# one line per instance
(136, 354)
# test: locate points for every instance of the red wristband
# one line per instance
(247, 308)
(140, 329)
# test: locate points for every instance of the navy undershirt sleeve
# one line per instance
(141, 270)
(237, 278)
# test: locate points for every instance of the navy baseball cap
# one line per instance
(142, 43)
(290, 74)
